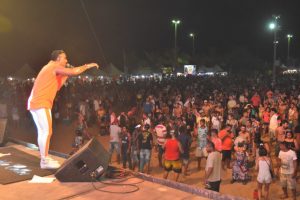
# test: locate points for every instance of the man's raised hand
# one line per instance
(90, 65)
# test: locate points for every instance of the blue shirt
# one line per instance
(147, 107)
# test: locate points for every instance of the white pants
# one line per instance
(43, 121)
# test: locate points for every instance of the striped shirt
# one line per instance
(161, 132)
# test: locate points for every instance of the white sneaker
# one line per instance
(49, 163)
(51, 159)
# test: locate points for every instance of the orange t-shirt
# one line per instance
(226, 140)
(45, 87)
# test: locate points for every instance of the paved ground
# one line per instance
(63, 138)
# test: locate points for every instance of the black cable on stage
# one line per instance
(118, 185)
(115, 181)
(121, 180)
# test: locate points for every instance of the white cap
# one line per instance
(137, 126)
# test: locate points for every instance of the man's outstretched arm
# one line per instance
(76, 70)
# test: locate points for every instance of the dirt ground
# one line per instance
(63, 137)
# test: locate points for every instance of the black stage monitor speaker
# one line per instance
(89, 162)
(3, 123)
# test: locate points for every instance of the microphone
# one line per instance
(68, 65)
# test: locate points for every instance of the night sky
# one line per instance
(31, 29)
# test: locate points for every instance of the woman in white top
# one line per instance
(263, 166)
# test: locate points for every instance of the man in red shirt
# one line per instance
(172, 155)
(226, 136)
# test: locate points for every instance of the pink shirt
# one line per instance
(218, 143)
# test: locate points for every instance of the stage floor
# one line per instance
(57, 190)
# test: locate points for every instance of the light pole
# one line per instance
(176, 22)
(289, 36)
(274, 26)
(192, 35)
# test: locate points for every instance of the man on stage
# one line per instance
(49, 80)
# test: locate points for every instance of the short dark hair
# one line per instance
(182, 129)
(289, 131)
(229, 125)
(274, 110)
(146, 126)
(262, 151)
(211, 144)
(241, 144)
(55, 54)
(284, 143)
(215, 131)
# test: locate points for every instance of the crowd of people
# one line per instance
(227, 122)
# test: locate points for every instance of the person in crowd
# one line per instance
(160, 131)
(201, 136)
(49, 80)
(244, 118)
(293, 116)
(297, 137)
(255, 100)
(264, 168)
(216, 140)
(102, 121)
(226, 136)
(125, 147)
(177, 110)
(266, 120)
(190, 120)
(216, 121)
(114, 134)
(232, 104)
(291, 141)
(258, 143)
(233, 123)
(146, 120)
(282, 108)
(240, 169)
(134, 146)
(78, 142)
(273, 124)
(173, 150)
(123, 119)
(280, 134)
(148, 107)
(243, 137)
(287, 170)
(185, 140)
(213, 168)
(82, 127)
(145, 146)
(206, 107)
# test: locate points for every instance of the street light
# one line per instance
(289, 36)
(274, 27)
(176, 22)
(192, 35)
